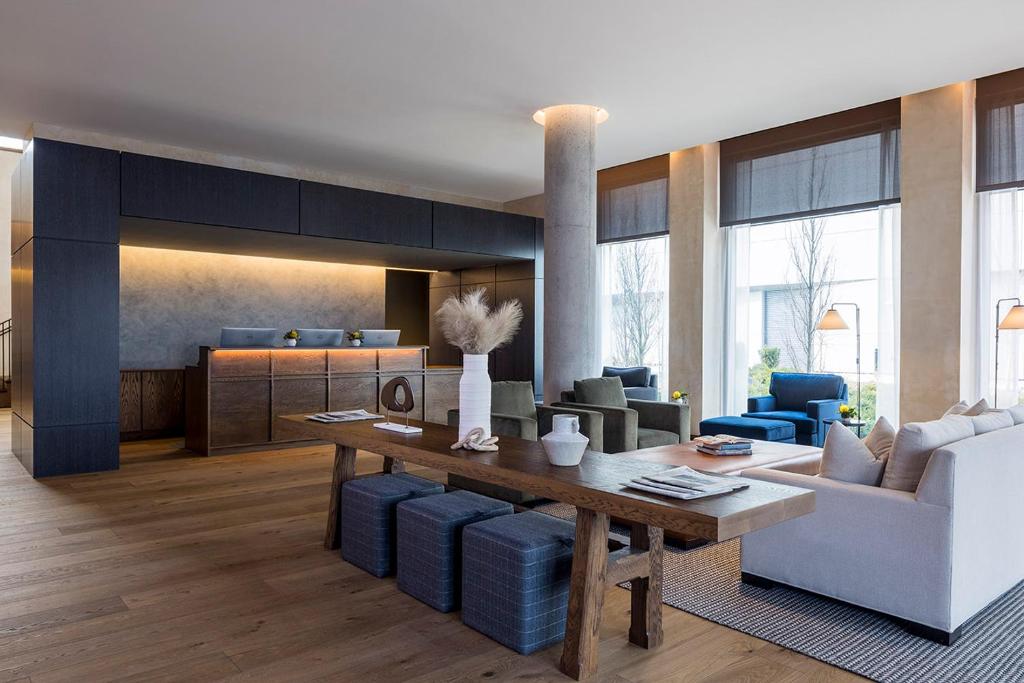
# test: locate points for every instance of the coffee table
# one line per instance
(596, 488)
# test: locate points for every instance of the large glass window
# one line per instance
(784, 276)
(633, 279)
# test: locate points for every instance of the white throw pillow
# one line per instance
(914, 445)
(957, 409)
(991, 421)
(846, 458)
(1017, 413)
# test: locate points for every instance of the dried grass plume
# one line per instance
(469, 323)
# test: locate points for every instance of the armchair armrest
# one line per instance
(591, 423)
(504, 425)
(824, 409)
(666, 416)
(653, 382)
(620, 425)
(760, 404)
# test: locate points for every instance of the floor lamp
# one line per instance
(1014, 320)
(833, 321)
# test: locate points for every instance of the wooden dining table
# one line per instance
(597, 488)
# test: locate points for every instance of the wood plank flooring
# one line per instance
(182, 568)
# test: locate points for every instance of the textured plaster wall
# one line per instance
(8, 160)
(696, 299)
(937, 181)
(174, 301)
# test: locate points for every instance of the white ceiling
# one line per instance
(439, 93)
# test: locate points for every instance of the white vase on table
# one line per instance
(474, 395)
(564, 445)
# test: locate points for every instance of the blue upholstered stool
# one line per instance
(515, 579)
(749, 428)
(368, 518)
(430, 543)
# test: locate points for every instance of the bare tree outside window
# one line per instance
(636, 309)
(814, 265)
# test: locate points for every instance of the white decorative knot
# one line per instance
(475, 441)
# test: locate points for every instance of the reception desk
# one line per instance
(233, 395)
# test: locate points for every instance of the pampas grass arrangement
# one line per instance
(469, 323)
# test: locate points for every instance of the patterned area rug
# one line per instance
(706, 582)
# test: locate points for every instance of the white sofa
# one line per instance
(931, 559)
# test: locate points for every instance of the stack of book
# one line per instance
(724, 444)
(686, 484)
(343, 416)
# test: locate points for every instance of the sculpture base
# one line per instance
(395, 427)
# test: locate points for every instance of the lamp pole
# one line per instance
(995, 394)
(857, 327)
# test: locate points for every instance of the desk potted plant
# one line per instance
(355, 338)
(469, 324)
(291, 337)
(681, 397)
(847, 413)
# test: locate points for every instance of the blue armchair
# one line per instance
(806, 400)
(638, 382)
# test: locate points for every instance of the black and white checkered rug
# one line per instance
(706, 582)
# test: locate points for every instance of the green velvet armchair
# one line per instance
(629, 424)
(514, 413)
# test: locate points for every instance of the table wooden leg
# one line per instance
(392, 466)
(344, 470)
(645, 610)
(586, 594)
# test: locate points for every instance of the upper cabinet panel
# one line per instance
(351, 214)
(167, 189)
(68, 191)
(466, 228)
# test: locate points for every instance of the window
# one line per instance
(811, 213)
(786, 276)
(634, 305)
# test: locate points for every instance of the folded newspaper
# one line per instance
(686, 483)
(343, 416)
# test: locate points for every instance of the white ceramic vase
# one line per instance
(474, 395)
(291, 342)
(565, 445)
(356, 342)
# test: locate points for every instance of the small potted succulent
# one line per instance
(291, 337)
(355, 338)
(681, 397)
(848, 413)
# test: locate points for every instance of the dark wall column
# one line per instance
(65, 271)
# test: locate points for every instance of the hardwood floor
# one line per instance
(182, 568)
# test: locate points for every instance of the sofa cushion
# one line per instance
(914, 445)
(802, 423)
(792, 390)
(846, 458)
(992, 420)
(649, 438)
(600, 391)
(631, 377)
(1017, 413)
(513, 398)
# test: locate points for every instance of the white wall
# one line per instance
(8, 160)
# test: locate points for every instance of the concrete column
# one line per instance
(570, 247)
(696, 302)
(937, 247)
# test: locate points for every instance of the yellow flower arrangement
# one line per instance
(847, 412)
(678, 395)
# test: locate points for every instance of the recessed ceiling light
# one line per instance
(11, 143)
(600, 115)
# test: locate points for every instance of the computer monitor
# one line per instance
(381, 337)
(320, 337)
(247, 336)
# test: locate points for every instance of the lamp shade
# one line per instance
(832, 321)
(1014, 319)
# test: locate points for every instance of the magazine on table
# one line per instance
(343, 416)
(686, 483)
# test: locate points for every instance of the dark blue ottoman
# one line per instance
(368, 518)
(515, 579)
(749, 428)
(430, 543)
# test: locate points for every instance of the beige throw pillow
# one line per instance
(962, 408)
(846, 458)
(913, 447)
